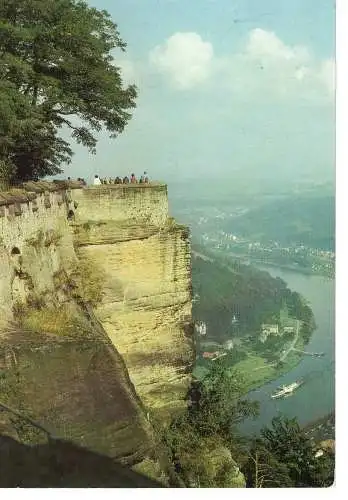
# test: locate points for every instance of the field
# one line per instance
(255, 369)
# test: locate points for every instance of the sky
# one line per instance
(227, 89)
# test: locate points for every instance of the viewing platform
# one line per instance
(139, 185)
(27, 191)
(145, 203)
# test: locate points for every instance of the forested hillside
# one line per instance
(225, 288)
(307, 220)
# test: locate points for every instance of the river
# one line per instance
(316, 398)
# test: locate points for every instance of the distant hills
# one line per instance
(307, 220)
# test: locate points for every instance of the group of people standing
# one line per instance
(119, 180)
(79, 179)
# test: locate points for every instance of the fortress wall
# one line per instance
(132, 203)
(35, 243)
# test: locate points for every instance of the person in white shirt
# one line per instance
(96, 181)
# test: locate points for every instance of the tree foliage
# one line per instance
(226, 287)
(264, 470)
(286, 457)
(281, 457)
(56, 71)
(202, 438)
(217, 405)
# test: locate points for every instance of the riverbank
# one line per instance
(322, 429)
(257, 372)
(315, 399)
(259, 362)
(255, 369)
(247, 258)
(286, 267)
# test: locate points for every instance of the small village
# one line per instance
(313, 260)
(285, 328)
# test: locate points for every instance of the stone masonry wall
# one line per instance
(35, 242)
(137, 203)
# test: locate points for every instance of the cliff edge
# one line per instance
(95, 308)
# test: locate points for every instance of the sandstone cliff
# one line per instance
(62, 247)
(146, 305)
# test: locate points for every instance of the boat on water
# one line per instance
(286, 390)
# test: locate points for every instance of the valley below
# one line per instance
(247, 231)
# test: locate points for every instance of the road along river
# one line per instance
(316, 398)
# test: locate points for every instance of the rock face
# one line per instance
(212, 466)
(60, 464)
(78, 390)
(219, 463)
(74, 368)
(146, 306)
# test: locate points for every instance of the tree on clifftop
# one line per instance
(56, 70)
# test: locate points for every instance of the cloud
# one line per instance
(267, 65)
(185, 59)
(265, 46)
(129, 70)
(328, 76)
(264, 66)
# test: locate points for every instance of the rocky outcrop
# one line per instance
(78, 389)
(80, 371)
(61, 464)
(211, 465)
(144, 257)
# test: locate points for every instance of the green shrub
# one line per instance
(52, 237)
(87, 281)
(61, 321)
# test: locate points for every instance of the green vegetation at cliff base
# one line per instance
(240, 306)
(208, 451)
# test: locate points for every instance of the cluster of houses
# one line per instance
(267, 329)
(228, 346)
(273, 329)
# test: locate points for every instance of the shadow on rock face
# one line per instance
(60, 464)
